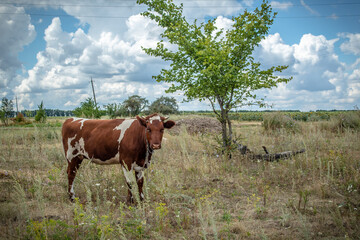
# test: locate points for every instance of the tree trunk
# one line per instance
(223, 128)
(226, 127)
(230, 129)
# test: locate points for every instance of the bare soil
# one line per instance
(197, 125)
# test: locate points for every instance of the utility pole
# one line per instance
(92, 85)
(17, 106)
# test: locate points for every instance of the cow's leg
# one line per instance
(140, 182)
(73, 166)
(129, 176)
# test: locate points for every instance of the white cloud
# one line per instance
(224, 23)
(110, 51)
(273, 51)
(320, 81)
(308, 60)
(16, 32)
(118, 66)
(199, 8)
(312, 11)
(314, 55)
(281, 5)
(352, 46)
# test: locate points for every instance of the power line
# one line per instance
(320, 16)
(194, 6)
(126, 17)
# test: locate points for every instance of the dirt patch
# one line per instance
(197, 125)
(5, 174)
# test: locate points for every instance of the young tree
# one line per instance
(135, 104)
(164, 105)
(7, 107)
(41, 113)
(116, 110)
(28, 113)
(213, 64)
(87, 109)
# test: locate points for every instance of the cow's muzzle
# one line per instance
(156, 146)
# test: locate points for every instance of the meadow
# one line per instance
(191, 191)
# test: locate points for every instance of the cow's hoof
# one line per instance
(130, 200)
(72, 198)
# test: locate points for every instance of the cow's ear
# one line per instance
(141, 120)
(169, 124)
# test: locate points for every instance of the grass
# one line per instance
(191, 192)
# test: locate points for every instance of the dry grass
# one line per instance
(191, 191)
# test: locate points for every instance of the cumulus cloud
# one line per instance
(17, 31)
(352, 45)
(273, 51)
(308, 61)
(314, 55)
(320, 79)
(113, 15)
(70, 59)
(110, 52)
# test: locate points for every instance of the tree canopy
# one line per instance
(7, 107)
(164, 105)
(40, 114)
(87, 109)
(135, 104)
(207, 63)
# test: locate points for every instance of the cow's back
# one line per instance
(97, 140)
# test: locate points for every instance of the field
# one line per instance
(191, 191)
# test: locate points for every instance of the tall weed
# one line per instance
(278, 121)
(342, 122)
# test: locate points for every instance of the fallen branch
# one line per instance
(244, 150)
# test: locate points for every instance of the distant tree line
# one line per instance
(135, 105)
(7, 113)
(130, 107)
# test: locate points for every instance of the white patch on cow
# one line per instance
(70, 150)
(142, 195)
(139, 174)
(123, 127)
(138, 168)
(157, 117)
(72, 189)
(80, 146)
(114, 160)
(82, 120)
(129, 175)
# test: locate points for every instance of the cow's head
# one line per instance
(155, 125)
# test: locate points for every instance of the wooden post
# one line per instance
(92, 85)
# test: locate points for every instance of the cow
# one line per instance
(129, 142)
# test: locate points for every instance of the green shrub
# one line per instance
(277, 121)
(346, 120)
(19, 118)
(349, 120)
(41, 114)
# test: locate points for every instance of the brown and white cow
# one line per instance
(129, 142)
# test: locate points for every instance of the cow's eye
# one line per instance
(161, 130)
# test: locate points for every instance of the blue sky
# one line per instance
(49, 51)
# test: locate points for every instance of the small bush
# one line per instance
(41, 114)
(349, 120)
(20, 118)
(277, 121)
(346, 120)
